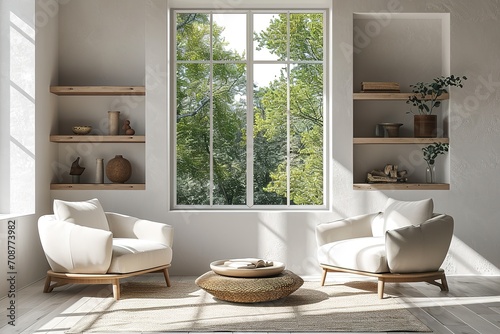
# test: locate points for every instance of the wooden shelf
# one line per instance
(390, 96)
(98, 90)
(97, 186)
(96, 139)
(398, 140)
(401, 186)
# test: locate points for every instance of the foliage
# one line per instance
(422, 91)
(432, 151)
(306, 108)
(273, 134)
(193, 142)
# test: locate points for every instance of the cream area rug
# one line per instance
(184, 307)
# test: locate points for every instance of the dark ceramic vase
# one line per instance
(425, 126)
(118, 169)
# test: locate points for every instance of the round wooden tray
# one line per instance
(219, 268)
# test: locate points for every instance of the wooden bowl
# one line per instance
(81, 129)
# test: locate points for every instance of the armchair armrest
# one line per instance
(419, 248)
(124, 226)
(74, 249)
(354, 227)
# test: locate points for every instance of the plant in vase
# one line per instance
(430, 154)
(425, 98)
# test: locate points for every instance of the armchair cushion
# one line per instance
(349, 228)
(131, 255)
(363, 254)
(73, 248)
(420, 248)
(404, 213)
(124, 226)
(87, 213)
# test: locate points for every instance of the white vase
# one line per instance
(99, 171)
(113, 123)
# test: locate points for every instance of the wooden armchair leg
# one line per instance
(444, 283)
(116, 289)
(46, 287)
(167, 277)
(323, 277)
(434, 281)
(380, 288)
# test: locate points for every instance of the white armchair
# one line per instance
(85, 245)
(406, 242)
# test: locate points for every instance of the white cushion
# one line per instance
(419, 248)
(131, 255)
(404, 213)
(71, 248)
(365, 254)
(87, 213)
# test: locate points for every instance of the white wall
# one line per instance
(30, 262)
(120, 41)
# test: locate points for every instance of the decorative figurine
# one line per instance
(76, 170)
(126, 127)
(390, 174)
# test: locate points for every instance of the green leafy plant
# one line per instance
(432, 151)
(425, 95)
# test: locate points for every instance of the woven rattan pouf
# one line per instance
(249, 290)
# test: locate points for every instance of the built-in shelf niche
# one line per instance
(404, 48)
(89, 105)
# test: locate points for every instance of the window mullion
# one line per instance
(250, 116)
(211, 116)
(288, 137)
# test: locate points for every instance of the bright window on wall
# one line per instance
(249, 101)
(17, 109)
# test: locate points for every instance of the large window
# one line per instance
(249, 90)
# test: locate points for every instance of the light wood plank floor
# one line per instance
(472, 306)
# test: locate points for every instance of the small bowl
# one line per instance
(81, 129)
(390, 129)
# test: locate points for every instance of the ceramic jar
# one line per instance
(118, 169)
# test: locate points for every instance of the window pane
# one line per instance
(270, 36)
(229, 134)
(286, 67)
(193, 134)
(270, 134)
(229, 36)
(306, 134)
(193, 36)
(306, 36)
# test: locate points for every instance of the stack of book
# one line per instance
(248, 263)
(379, 86)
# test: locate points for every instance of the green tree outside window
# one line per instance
(212, 112)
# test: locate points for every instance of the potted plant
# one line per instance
(430, 154)
(425, 98)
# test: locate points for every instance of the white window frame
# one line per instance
(249, 65)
